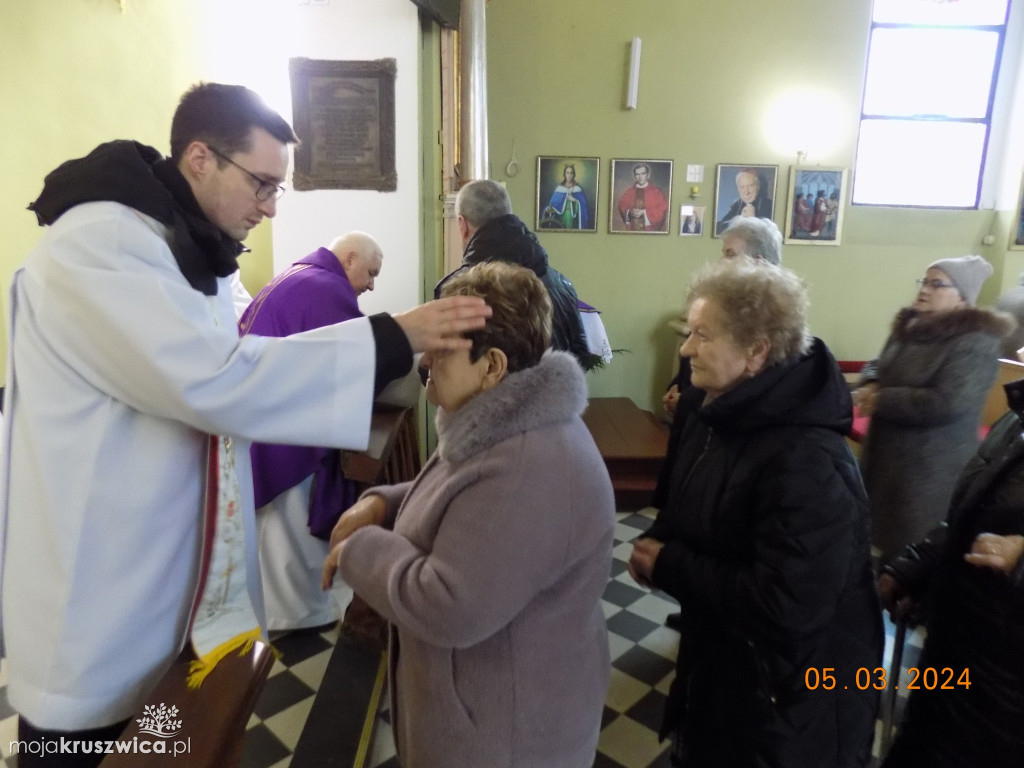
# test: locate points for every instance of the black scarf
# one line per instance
(138, 176)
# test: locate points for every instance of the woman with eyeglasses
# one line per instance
(490, 565)
(924, 394)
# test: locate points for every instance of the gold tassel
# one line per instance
(200, 668)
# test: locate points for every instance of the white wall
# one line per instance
(255, 39)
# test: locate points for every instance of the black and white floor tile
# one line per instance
(294, 727)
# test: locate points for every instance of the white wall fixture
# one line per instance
(634, 73)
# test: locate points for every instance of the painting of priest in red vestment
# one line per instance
(640, 204)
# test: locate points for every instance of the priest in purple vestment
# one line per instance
(300, 491)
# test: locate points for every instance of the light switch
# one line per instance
(695, 173)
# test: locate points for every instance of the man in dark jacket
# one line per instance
(491, 232)
(968, 703)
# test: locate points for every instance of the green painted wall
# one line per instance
(710, 75)
(79, 72)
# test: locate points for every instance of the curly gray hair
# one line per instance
(757, 304)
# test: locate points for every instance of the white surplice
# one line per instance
(117, 371)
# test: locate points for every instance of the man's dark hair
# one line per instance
(223, 116)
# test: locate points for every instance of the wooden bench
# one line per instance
(213, 717)
(995, 403)
(393, 453)
(632, 443)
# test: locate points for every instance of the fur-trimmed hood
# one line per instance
(913, 326)
(551, 392)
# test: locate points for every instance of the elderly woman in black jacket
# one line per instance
(968, 705)
(763, 539)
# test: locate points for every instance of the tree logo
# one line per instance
(160, 721)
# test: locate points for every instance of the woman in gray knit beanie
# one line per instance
(924, 394)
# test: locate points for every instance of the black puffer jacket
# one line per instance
(975, 619)
(766, 548)
(508, 239)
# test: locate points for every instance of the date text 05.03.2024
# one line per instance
(926, 678)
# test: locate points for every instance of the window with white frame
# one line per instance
(928, 101)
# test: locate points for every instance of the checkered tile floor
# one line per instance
(642, 649)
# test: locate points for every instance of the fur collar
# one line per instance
(551, 392)
(911, 326)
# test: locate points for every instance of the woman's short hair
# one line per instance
(757, 303)
(520, 323)
(762, 237)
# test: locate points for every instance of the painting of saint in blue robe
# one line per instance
(566, 206)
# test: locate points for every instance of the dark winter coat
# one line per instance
(933, 376)
(975, 620)
(766, 549)
(508, 239)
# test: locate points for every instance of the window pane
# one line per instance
(944, 12)
(911, 72)
(932, 164)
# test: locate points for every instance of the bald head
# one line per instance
(361, 258)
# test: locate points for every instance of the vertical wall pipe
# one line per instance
(473, 160)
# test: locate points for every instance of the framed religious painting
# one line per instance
(1017, 222)
(641, 197)
(691, 220)
(567, 193)
(814, 209)
(744, 190)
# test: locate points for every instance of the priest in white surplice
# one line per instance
(125, 376)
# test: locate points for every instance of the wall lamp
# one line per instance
(634, 73)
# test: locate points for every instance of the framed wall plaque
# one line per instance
(344, 115)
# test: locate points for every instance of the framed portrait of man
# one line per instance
(641, 197)
(1017, 223)
(744, 190)
(814, 209)
(567, 193)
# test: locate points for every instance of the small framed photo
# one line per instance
(1017, 223)
(744, 190)
(567, 193)
(641, 197)
(691, 220)
(817, 199)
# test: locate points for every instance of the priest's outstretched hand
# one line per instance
(439, 325)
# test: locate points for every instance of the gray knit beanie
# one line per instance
(967, 274)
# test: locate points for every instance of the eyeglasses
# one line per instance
(934, 284)
(265, 191)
